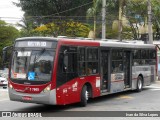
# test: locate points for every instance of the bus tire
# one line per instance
(139, 84)
(84, 96)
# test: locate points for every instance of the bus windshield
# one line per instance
(35, 65)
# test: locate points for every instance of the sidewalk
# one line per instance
(157, 83)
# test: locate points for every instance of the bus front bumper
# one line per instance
(41, 98)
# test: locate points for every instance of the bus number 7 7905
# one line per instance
(60, 71)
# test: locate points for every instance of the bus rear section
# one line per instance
(126, 66)
(157, 44)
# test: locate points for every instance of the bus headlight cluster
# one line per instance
(10, 86)
(48, 88)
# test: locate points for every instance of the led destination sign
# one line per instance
(44, 44)
(37, 44)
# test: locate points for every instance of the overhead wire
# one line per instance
(51, 15)
(65, 10)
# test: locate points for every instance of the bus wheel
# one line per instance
(139, 84)
(84, 96)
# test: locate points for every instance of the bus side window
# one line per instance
(117, 61)
(61, 68)
(92, 61)
(70, 60)
(81, 61)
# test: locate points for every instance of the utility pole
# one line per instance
(150, 34)
(120, 19)
(104, 19)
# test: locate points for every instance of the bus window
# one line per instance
(92, 68)
(117, 61)
(152, 54)
(67, 59)
(41, 63)
(137, 57)
(81, 61)
(67, 64)
(92, 61)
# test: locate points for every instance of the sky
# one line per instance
(9, 12)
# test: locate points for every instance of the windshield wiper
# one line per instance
(39, 55)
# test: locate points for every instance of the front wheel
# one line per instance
(84, 96)
(139, 84)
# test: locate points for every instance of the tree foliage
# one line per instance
(27, 27)
(43, 12)
(136, 11)
(54, 7)
(7, 36)
(95, 12)
(66, 28)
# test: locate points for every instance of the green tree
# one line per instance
(27, 27)
(69, 28)
(43, 11)
(156, 16)
(136, 11)
(57, 7)
(7, 36)
(94, 11)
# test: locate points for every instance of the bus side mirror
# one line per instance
(6, 50)
(4, 56)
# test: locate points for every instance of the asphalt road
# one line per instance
(147, 100)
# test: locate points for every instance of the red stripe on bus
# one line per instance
(134, 78)
(79, 43)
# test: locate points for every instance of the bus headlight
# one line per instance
(10, 86)
(48, 88)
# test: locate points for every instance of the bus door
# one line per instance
(127, 69)
(67, 74)
(105, 70)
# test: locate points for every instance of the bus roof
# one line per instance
(37, 38)
(107, 43)
(119, 44)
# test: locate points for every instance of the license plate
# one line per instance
(27, 98)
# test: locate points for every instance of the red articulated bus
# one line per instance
(60, 71)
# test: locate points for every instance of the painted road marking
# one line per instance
(124, 97)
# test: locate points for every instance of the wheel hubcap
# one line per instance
(86, 95)
(140, 84)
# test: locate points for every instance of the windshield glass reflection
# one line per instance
(32, 65)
